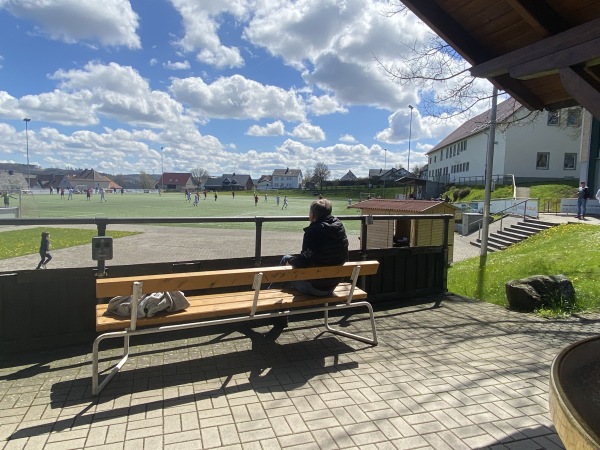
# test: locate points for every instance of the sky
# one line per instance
(230, 86)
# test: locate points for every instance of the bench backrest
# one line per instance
(189, 281)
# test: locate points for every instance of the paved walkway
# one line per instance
(449, 373)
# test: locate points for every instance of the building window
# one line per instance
(570, 161)
(553, 118)
(573, 116)
(542, 161)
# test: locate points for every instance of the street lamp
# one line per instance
(384, 169)
(409, 136)
(26, 120)
(162, 169)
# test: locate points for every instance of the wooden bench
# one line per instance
(209, 308)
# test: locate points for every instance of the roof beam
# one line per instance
(449, 30)
(587, 54)
(581, 90)
(573, 41)
(539, 15)
(517, 90)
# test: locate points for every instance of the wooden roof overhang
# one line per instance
(544, 53)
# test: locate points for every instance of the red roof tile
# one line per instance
(412, 206)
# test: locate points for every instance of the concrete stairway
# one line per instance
(517, 232)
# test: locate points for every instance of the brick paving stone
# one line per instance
(465, 385)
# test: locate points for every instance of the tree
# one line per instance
(120, 180)
(320, 173)
(442, 75)
(146, 181)
(199, 175)
(308, 178)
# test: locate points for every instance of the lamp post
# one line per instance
(384, 169)
(26, 120)
(409, 136)
(162, 169)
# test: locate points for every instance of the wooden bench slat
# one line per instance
(220, 305)
(190, 281)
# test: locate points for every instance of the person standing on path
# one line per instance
(583, 194)
(45, 256)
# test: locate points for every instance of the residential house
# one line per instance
(229, 182)
(175, 181)
(287, 178)
(348, 179)
(265, 182)
(379, 176)
(87, 179)
(531, 146)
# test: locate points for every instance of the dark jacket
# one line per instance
(44, 246)
(325, 244)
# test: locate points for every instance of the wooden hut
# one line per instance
(409, 232)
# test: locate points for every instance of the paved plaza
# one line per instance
(449, 373)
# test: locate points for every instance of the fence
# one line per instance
(48, 308)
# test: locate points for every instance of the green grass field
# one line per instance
(175, 205)
(27, 241)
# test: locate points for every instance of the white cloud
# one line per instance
(308, 132)
(400, 128)
(201, 31)
(336, 45)
(348, 139)
(276, 128)
(109, 22)
(238, 97)
(325, 104)
(120, 92)
(179, 65)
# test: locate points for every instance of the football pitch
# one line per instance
(170, 205)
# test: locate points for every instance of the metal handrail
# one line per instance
(502, 216)
(103, 222)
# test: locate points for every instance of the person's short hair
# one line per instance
(321, 208)
(45, 234)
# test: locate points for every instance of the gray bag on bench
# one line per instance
(148, 304)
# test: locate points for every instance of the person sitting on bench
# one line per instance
(325, 244)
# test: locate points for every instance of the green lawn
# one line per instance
(569, 249)
(27, 241)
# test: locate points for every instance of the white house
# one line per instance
(532, 146)
(287, 178)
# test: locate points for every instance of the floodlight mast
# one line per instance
(27, 120)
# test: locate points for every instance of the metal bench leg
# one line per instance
(372, 341)
(95, 371)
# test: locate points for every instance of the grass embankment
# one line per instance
(546, 192)
(570, 249)
(27, 241)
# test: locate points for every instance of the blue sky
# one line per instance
(229, 86)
